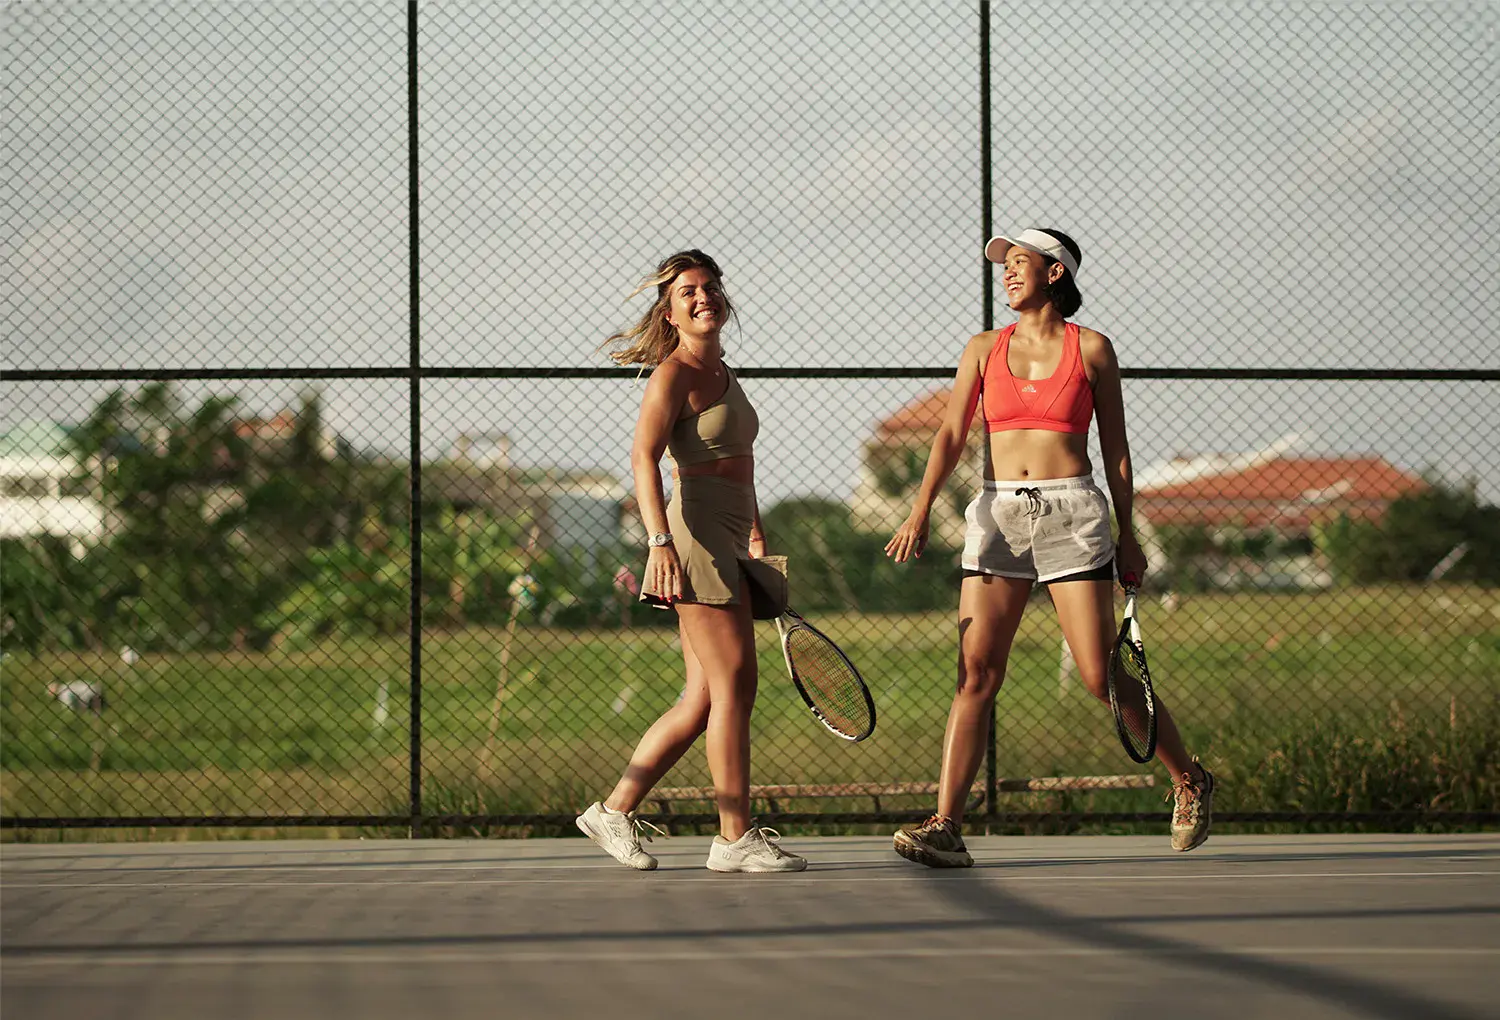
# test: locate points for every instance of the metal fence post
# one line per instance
(985, 177)
(414, 425)
(991, 783)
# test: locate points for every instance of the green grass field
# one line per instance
(1300, 700)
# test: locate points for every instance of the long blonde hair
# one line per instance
(651, 340)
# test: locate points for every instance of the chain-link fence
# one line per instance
(284, 279)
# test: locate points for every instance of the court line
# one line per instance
(205, 958)
(825, 878)
(594, 865)
(552, 865)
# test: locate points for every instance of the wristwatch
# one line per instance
(664, 538)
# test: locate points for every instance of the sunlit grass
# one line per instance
(1301, 687)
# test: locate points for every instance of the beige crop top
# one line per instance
(725, 428)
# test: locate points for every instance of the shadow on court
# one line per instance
(1374, 927)
(1194, 993)
(1094, 931)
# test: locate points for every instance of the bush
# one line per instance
(830, 565)
(1186, 548)
(51, 598)
(1396, 761)
(1416, 533)
(351, 590)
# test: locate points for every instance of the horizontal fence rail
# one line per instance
(770, 372)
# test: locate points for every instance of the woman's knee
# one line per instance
(737, 689)
(1095, 680)
(693, 707)
(979, 676)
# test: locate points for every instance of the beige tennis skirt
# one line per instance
(1042, 529)
(710, 520)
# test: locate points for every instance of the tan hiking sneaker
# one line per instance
(936, 843)
(1192, 809)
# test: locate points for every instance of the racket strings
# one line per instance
(1132, 695)
(829, 680)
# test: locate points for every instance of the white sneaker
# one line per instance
(756, 851)
(619, 833)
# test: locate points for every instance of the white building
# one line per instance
(44, 490)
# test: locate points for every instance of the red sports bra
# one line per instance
(1063, 402)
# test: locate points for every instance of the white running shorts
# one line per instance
(1040, 529)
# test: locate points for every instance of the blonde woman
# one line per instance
(706, 560)
(1039, 384)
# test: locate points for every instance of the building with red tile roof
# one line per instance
(922, 415)
(1286, 493)
(892, 466)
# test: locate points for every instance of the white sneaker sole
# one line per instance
(754, 867)
(587, 830)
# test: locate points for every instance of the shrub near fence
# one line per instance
(220, 732)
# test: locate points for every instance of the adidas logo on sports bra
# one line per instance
(1063, 402)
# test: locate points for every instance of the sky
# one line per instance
(1295, 185)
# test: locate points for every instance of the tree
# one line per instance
(208, 531)
(830, 565)
(1186, 548)
(174, 572)
(1416, 533)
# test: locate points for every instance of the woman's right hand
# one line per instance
(664, 572)
(910, 539)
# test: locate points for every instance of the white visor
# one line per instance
(1032, 240)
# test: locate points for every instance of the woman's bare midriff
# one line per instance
(1037, 453)
(731, 469)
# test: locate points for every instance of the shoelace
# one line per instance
(641, 825)
(937, 823)
(769, 838)
(1034, 505)
(1185, 796)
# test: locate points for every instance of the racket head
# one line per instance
(827, 680)
(1132, 698)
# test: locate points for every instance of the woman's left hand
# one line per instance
(757, 547)
(1131, 561)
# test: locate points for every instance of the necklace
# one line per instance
(702, 366)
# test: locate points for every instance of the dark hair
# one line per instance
(1064, 293)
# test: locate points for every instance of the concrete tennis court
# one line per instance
(1248, 926)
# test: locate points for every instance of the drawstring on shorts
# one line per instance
(1034, 505)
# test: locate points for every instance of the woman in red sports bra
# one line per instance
(1039, 518)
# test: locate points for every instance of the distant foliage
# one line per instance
(51, 599)
(1415, 535)
(206, 533)
(351, 589)
(1187, 549)
(1399, 760)
(897, 469)
(830, 565)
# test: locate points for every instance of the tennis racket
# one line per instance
(1130, 693)
(826, 679)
